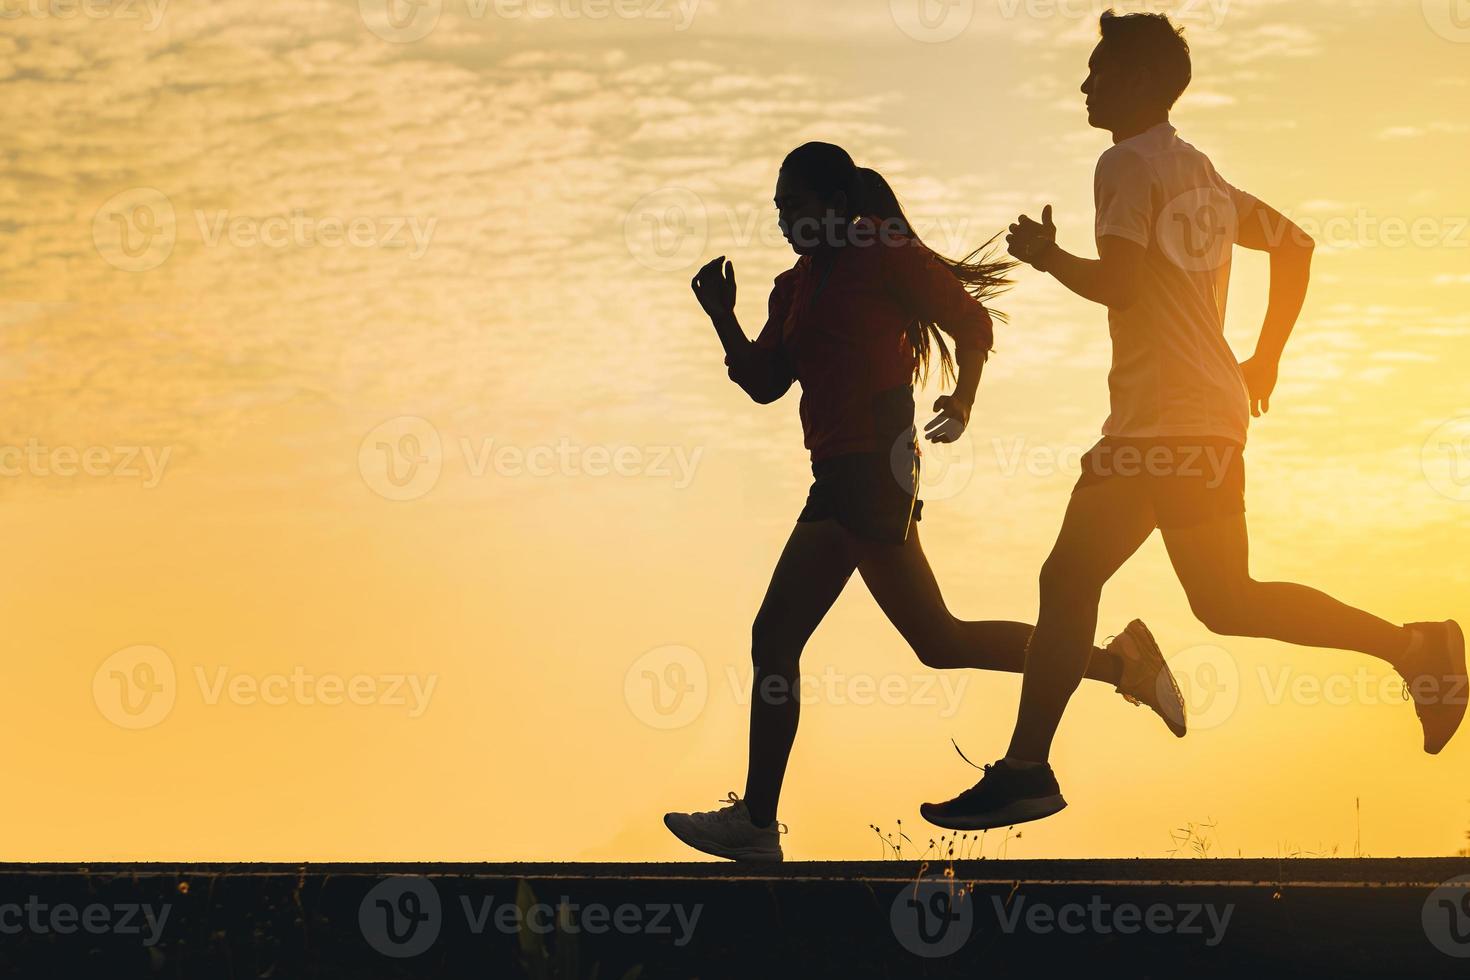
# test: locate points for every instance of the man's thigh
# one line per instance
(1211, 559)
(1106, 522)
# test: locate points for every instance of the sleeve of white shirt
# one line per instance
(1122, 192)
(1244, 204)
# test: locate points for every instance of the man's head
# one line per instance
(1137, 71)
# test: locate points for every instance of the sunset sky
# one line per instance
(373, 488)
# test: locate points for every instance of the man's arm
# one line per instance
(1264, 229)
(1111, 279)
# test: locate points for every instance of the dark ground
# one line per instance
(1142, 918)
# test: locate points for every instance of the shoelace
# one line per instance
(733, 800)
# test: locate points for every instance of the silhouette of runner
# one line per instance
(1171, 453)
(856, 321)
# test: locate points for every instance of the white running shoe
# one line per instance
(1146, 677)
(728, 832)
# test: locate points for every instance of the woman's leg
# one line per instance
(813, 569)
(900, 579)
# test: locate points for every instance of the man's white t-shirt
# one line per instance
(1173, 374)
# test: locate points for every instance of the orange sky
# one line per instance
(366, 458)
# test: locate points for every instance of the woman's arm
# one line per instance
(936, 296)
(756, 366)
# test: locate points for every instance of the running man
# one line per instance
(1171, 453)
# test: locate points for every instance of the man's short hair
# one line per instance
(1150, 41)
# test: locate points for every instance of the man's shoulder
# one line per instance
(1123, 161)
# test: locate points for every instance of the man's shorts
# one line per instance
(1189, 480)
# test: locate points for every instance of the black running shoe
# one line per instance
(1003, 796)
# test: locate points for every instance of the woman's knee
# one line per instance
(1062, 580)
(775, 645)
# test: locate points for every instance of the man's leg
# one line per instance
(1212, 562)
(1106, 523)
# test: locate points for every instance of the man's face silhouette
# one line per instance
(1115, 93)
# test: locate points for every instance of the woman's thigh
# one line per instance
(811, 573)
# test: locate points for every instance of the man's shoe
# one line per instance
(1005, 795)
(1436, 681)
(728, 832)
(1146, 677)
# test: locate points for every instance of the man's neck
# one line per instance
(1141, 123)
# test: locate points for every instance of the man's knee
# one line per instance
(1223, 609)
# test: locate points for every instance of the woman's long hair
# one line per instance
(827, 169)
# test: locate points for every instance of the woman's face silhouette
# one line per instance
(808, 220)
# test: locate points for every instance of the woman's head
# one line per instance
(820, 192)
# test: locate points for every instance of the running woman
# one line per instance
(1171, 453)
(856, 321)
